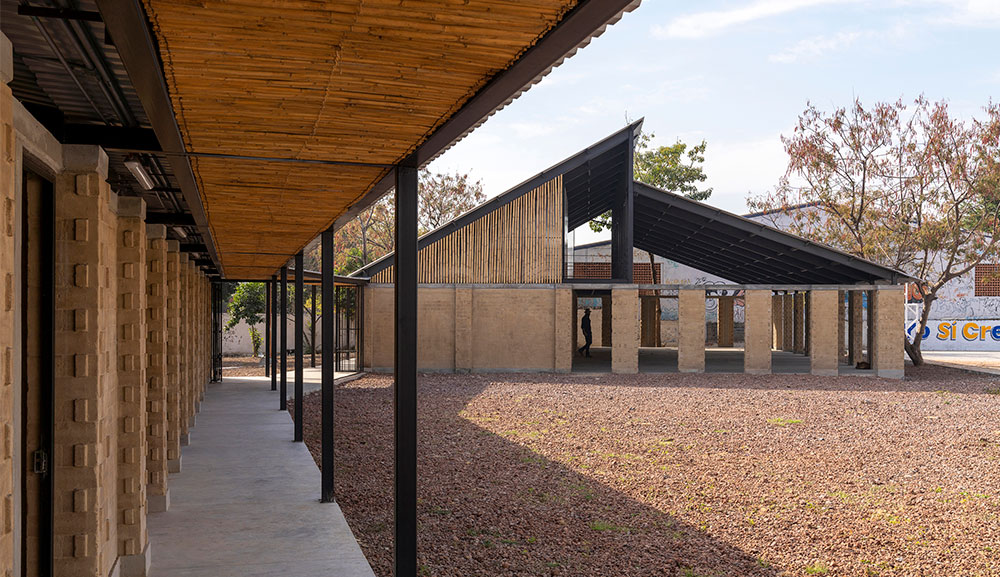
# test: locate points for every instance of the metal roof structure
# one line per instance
(677, 228)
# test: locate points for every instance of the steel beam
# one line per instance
(170, 218)
(405, 390)
(300, 305)
(283, 340)
(327, 493)
(111, 137)
(125, 21)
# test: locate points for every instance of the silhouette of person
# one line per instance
(587, 334)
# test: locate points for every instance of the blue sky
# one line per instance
(738, 74)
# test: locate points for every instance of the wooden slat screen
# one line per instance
(519, 243)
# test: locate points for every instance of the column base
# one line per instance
(193, 420)
(135, 565)
(197, 406)
(158, 503)
(185, 439)
(890, 373)
(825, 372)
(174, 465)
(691, 370)
(757, 371)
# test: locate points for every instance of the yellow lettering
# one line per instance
(970, 335)
(943, 331)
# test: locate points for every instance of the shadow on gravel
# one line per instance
(488, 506)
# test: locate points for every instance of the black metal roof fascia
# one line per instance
(125, 21)
(823, 251)
(772, 250)
(585, 21)
(620, 138)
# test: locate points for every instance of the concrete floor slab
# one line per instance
(717, 360)
(247, 501)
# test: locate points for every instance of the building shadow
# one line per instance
(490, 506)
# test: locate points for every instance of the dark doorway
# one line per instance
(348, 327)
(37, 372)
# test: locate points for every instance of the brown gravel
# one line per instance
(688, 475)
(252, 367)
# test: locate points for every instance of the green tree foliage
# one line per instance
(247, 304)
(675, 168)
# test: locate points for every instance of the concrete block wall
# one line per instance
(469, 328)
(174, 353)
(86, 407)
(759, 329)
(8, 190)
(691, 338)
(158, 495)
(132, 430)
(110, 361)
(824, 349)
(625, 327)
(184, 370)
(888, 345)
(726, 326)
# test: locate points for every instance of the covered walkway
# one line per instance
(246, 499)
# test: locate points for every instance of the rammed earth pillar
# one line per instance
(606, 322)
(888, 346)
(174, 351)
(157, 493)
(184, 345)
(855, 327)
(758, 331)
(841, 328)
(86, 399)
(691, 331)
(133, 541)
(824, 348)
(625, 330)
(565, 325)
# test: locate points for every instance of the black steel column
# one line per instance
(338, 296)
(312, 328)
(622, 239)
(273, 335)
(300, 305)
(326, 441)
(283, 339)
(267, 329)
(405, 391)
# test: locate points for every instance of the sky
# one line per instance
(737, 74)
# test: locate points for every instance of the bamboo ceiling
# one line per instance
(346, 81)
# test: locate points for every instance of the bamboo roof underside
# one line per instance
(344, 81)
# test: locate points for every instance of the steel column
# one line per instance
(327, 494)
(300, 305)
(312, 328)
(267, 329)
(405, 390)
(273, 335)
(282, 340)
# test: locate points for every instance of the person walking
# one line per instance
(587, 334)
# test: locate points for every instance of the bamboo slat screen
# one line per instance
(348, 81)
(519, 243)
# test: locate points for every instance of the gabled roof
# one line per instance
(733, 247)
(587, 176)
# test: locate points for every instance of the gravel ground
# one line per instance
(252, 367)
(688, 475)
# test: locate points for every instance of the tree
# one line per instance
(371, 235)
(664, 167)
(247, 304)
(909, 187)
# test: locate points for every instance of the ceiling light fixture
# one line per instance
(180, 232)
(134, 165)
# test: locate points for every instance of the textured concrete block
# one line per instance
(890, 310)
(824, 348)
(625, 330)
(691, 331)
(758, 331)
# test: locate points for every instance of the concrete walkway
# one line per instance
(246, 502)
(979, 361)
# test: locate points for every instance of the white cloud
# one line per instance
(978, 13)
(815, 47)
(736, 169)
(701, 24)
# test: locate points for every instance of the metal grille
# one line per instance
(347, 329)
(988, 280)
